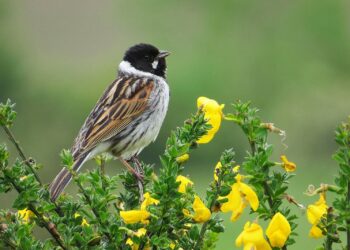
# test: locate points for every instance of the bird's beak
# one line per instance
(163, 54)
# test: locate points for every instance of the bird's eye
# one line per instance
(147, 57)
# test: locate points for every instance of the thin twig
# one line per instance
(266, 187)
(20, 152)
(26, 161)
(50, 227)
(252, 146)
(265, 184)
(268, 194)
(329, 241)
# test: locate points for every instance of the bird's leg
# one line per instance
(137, 174)
(131, 169)
(139, 170)
(138, 164)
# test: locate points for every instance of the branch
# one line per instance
(267, 190)
(20, 152)
(265, 184)
(50, 227)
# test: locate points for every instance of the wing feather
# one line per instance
(123, 101)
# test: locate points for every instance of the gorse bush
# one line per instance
(166, 212)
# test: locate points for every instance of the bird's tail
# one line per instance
(63, 178)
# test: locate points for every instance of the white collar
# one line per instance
(126, 68)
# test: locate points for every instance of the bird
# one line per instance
(127, 117)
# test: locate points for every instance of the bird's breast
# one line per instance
(145, 129)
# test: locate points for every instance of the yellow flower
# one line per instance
(314, 214)
(288, 165)
(142, 215)
(130, 243)
(83, 222)
(201, 212)
(252, 238)
(172, 245)
(184, 182)
(213, 113)
(236, 169)
(136, 246)
(183, 158)
(148, 200)
(240, 196)
(135, 216)
(25, 215)
(278, 230)
(139, 233)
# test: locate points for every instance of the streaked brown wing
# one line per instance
(122, 102)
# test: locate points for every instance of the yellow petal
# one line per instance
(83, 221)
(135, 216)
(25, 215)
(132, 244)
(239, 239)
(234, 199)
(141, 232)
(315, 232)
(250, 195)
(315, 211)
(288, 165)
(172, 245)
(241, 194)
(183, 158)
(252, 237)
(129, 242)
(237, 212)
(184, 182)
(201, 212)
(236, 169)
(148, 200)
(278, 230)
(213, 114)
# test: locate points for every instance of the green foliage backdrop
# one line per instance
(290, 58)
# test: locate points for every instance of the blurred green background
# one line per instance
(291, 58)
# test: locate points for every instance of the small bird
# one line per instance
(127, 117)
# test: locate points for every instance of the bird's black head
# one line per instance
(147, 58)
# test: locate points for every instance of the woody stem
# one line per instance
(20, 152)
